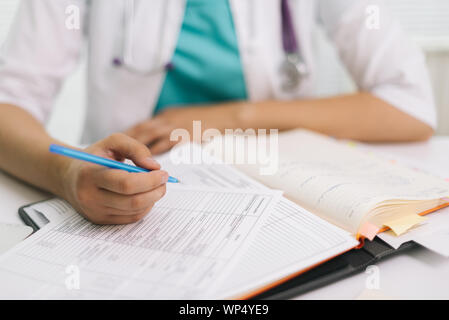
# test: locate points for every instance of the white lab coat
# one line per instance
(41, 51)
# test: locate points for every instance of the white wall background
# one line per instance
(427, 22)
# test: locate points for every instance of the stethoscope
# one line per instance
(293, 68)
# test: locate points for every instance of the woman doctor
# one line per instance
(158, 65)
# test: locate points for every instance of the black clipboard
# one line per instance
(29, 221)
(343, 266)
(340, 267)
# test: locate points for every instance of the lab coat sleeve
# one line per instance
(42, 48)
(380, 58)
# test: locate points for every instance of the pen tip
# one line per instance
(173, 180)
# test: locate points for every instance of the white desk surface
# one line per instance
(417, 274)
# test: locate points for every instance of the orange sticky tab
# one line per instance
(369, 231)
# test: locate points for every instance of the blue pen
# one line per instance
(72, 153)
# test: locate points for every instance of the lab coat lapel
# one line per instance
(250, 18)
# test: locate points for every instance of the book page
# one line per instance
(183, 249)
(291, 240)
(340, 183)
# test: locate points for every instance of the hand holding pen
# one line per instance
(107, 191)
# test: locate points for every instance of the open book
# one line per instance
(354, 190)
(224, 233)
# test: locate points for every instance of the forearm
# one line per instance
(24, 150)
(359, 116)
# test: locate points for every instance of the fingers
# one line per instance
(127, 183)
(106, 207)
(118, 204)
(162, 146)
(124, 146)
(147, 132)
(112, 208)
(125, 219)
(116, 219)
(153, 132)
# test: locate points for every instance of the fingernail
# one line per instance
(164, 177)
(152, 162)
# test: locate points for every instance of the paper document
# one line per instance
(188, 243)
(11, 234)
(437, 241)
(291, 240)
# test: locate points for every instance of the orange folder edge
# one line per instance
(286, 278)
(295, 274)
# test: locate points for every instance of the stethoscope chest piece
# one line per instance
(293, 71)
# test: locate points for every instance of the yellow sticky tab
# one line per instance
(401, 225)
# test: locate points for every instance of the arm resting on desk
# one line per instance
(24, 150)
(360, 116)
(104, 196)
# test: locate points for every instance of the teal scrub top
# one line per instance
(207, 66)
